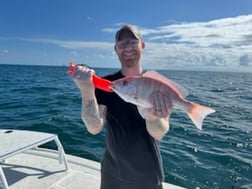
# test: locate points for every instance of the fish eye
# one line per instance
(125, 83)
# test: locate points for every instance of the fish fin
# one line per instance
(197, 113)
(155, 75)
(143, 111)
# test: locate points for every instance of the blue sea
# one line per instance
(44, 98)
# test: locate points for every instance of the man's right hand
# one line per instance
(82, 76)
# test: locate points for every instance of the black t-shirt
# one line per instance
(131, 153)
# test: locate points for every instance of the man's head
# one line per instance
(129, 45)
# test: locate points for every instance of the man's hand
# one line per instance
(162, 106)
(82, 76)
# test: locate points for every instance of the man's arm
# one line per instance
(157, 119)
(157, 128)
(93, 115)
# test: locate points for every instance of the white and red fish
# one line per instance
(138, 89)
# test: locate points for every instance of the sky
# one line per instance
(179, 34)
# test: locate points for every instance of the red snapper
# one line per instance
(138, 89)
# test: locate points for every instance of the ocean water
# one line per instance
(45, 98)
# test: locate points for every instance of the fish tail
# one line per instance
(197, 113)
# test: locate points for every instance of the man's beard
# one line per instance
(130, 62)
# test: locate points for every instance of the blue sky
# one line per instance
(179, 34)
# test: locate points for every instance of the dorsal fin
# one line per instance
(155, 75)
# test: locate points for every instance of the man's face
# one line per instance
(129, 49)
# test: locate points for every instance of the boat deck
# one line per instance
(39, 169)
(24, 165)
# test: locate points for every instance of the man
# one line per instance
(132, 157)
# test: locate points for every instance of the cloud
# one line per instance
(72, 44)
(246, 60)
(5, 51)
(89, 18)
(225, 42)
(227, 31)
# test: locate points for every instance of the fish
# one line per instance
(138, 89)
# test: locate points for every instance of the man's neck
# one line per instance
(131, 71)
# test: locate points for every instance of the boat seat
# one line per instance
(13, 142)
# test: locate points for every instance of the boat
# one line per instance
(24, 164)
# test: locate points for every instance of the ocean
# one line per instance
(44, 98)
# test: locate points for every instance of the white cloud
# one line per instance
(246, 60)
(227, 32)
(89, 18)
(72, 44)
(225, 42)
(5, 51)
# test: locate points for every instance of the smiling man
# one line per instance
(132, 157)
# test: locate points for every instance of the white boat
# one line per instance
(25, 165)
